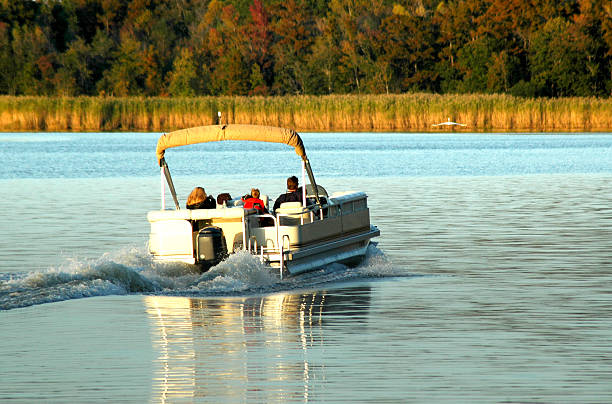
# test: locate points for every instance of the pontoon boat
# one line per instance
(298, 237)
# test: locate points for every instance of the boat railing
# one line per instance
(313, 213)
(307, 214)
(283, 242)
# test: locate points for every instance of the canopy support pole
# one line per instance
(312, 179)
(163, 189)
(169, 181)
(303, 182)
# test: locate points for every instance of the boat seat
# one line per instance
(264, 198)
(291, 212)
(290, 207)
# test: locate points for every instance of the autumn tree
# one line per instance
(295, 31)
(592, 30)
(241, 47)
(259, 41)
(355, 25)
(456, 20)
(228, 44)
(408, 49)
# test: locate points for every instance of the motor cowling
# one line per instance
(211, 248)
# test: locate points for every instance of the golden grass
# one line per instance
(405, 112)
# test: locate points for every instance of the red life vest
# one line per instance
(254, 203)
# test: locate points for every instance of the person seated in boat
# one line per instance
(223, 198)
(252, 201)
(293, 194)
(198, 199)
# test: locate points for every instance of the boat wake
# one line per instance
(133, 272)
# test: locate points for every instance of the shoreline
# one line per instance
(333, 113)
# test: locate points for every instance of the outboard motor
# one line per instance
(210, 247)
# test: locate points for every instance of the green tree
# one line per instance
(357, 34)
(503, 72)
(110, 13)
(204, 20)
(18, 13)
(88, 14)
(74, 75)
(127, 72)
(473, 61)
(184, 77)
(160, 27)
(408, 39)
(605, 19)
(101, 54)
(323, 61)
(82, 65)
(256, 81)
(158, 47)
(558, 65)
(592, 28)
(32, 55)
(455, 20)
(8, 72)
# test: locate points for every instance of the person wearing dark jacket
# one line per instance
(198, 199)
(293, 194)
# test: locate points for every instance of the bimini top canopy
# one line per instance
(217, 133)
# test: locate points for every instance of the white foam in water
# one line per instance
(132, 271)
(376, 264)
(247, 268)
(75, 279)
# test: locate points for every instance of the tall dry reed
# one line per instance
(405, 112)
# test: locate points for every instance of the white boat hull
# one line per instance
(350, 250)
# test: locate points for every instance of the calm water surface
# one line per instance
(491, 281)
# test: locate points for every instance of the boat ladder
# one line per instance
(264, 253)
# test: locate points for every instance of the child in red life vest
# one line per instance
(253, 202)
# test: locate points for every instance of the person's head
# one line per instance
(196, 196)
(292, 183)
(255, 193)
(223, 198)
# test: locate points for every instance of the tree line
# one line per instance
(536, 48)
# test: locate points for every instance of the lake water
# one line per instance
(491, 281)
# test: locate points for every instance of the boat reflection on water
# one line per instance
(251, 348)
